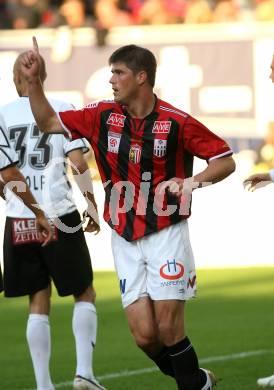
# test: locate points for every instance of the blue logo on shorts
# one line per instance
(122, 285)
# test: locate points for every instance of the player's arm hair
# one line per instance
(45, 117)
(78, 161)
(217, 170)
(82, 176)
(15, 181)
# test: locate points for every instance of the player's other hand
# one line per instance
(258, 180)
(44, 229)
(91, 225)
(30, 62)
(178, 187)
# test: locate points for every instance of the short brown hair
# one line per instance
(137, 59)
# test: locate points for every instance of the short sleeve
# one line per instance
(201, 142)
(80, 143)
(78, 123)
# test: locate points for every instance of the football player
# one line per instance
(29, 269)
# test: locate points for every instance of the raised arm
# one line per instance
(44, 114)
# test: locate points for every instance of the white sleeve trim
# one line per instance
(220, 155)
(66, 130)
(79, 143)
(271, 174)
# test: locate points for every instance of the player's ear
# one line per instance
(142, 77)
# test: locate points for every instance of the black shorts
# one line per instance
(29, 268)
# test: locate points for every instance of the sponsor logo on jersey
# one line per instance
(24, 231)
(113, 142)
(172, 270)
(161, 127)
(135, 154)
(116, 119)
(159, 147)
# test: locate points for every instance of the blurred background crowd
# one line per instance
(105, 14)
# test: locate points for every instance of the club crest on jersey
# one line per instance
(161, 127)
(135, 154)
(113, 142)
(116, 119)
(159, 147)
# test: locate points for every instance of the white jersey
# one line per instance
(42, 160)
(7, 154)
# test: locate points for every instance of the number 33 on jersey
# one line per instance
(40, 156)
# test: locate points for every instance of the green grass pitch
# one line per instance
(231, 324)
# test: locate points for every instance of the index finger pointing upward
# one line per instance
(35, 45)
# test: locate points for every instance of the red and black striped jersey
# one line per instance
(134, 156)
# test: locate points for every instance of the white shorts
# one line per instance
(160, 265)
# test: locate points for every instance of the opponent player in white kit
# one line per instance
(28, 270)
(10, 175)
(254, 182)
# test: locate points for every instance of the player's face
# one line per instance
(124, 83)
(272, 70)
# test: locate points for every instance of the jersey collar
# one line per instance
(156, 105)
